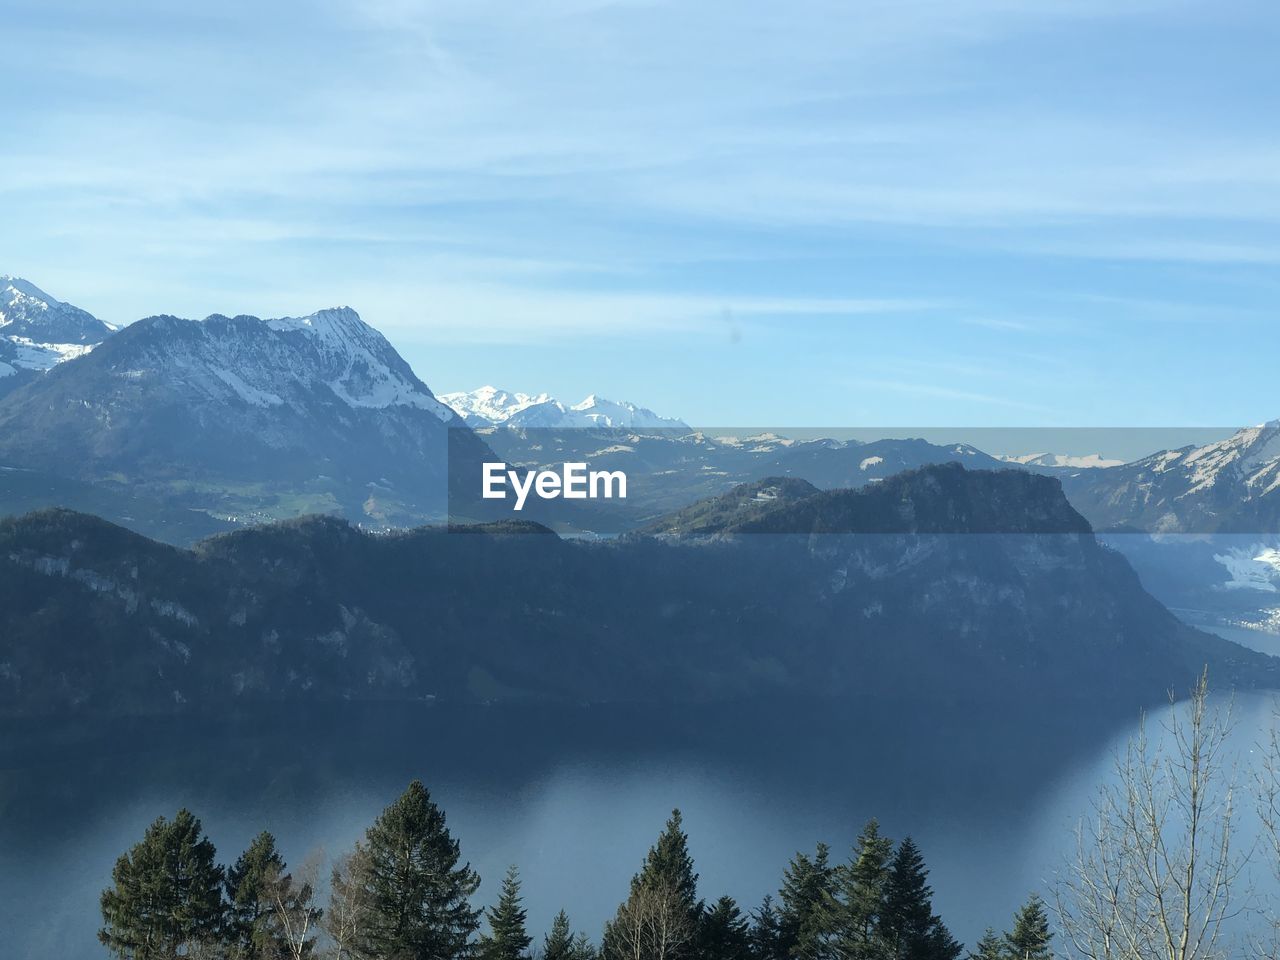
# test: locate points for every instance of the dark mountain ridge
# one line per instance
(97, 620)
(941, 499)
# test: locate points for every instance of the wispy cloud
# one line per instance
(493, 172)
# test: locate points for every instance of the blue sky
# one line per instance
(925, 212)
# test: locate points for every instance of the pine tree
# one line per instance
(659, 919)
(562, 944)
(584, 949)
(724, 933)
(507, 938)
(415, 894)
(247, 884)
(558, 944)
(859, 904)
(990, 947)
(166, 895)
(908, 926)
(766, 932)
(940, 944)
(669, 860)
(807, 888)
(1030, 936)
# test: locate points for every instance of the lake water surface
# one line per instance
(573, 796)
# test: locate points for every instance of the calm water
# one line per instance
(573, 797)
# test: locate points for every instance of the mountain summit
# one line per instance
(27, 311)
(38, 332)
(244, 418)
(489, 407)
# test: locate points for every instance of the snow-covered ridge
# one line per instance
(37, 332)
(489, 406)
(374, 375)
(1092, 461)
(1251, 456)
(268, 363)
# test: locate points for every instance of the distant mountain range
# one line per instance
(490, 407)
(180, 427)
(1092, 461)
(1232, 486)
(942, 584)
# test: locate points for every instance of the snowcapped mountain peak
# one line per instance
(319, 409)
(285, 360)
(330, 322)
(16, 287)
(37, 332)
(489, 406)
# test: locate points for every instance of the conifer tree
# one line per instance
(862, 889)
(807, 889)
(659, 919)
(766, 932)
(558, 943)
(584, 949)
(414, 892)
(669, 860)
(724, 933)
(908, 926)
(1030, 936)
(507, 938)
(562, 944)
(990, 947)
(247, 885)
(166, 896)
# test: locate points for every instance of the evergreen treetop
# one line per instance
(669, 861)
(415, 891)
(1030, 936)
(908, 925)
(862, 888)
(508, 939)
(989, 947)
(806, 895)
(558, 943)
(247, 883)
(166, 893)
